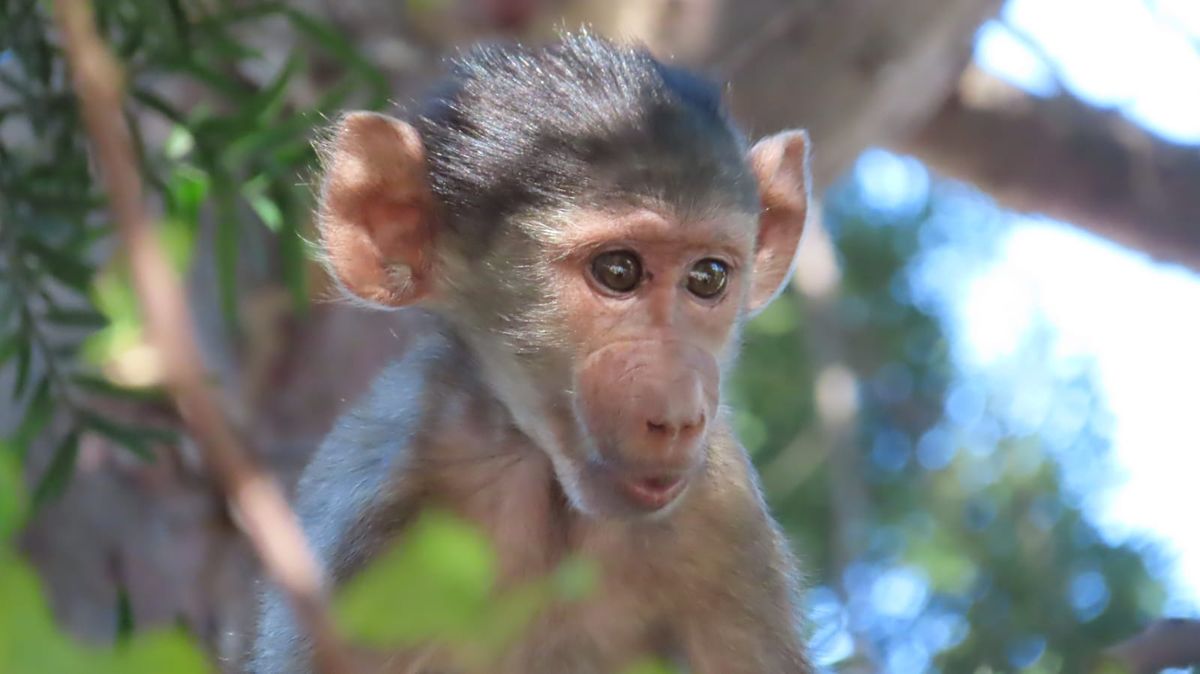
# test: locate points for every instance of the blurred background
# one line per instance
(974, 411)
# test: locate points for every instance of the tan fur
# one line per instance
(712, 584)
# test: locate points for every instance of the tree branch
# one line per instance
(1165, 644)
(852, 72)
(267, 521)
(1070, 161)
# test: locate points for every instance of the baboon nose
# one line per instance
(682, 430)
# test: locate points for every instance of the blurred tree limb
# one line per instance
(852, 72)
(1165, 644)
(267, 520)
(1070, 161)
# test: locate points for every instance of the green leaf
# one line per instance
(29, 641)
(107, 388)
(59, 264)
(8, 302)
(292, 253)
(58, 474)
(266, 209)
(131, 39)
(434, 584)
(13, 504)
(115, 297)
(265, 105)
(161, 106)
(342, 49)
(24, 356)
(179, 19)
(8, 347)
(79, 318)
(292, 132)
(225, 246)
(37, 414)
(136, 439)
(575, 579)
(776, 319)
(424, 6)
(179, 143)
(210, 77)
(187, 190)
(124, 615)
(650, 667)
(160, 652)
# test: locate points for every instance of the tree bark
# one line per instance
(1072, 162)
(854, 72)
(1168, 643)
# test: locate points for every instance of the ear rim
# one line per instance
(767, 159)
(392, 284)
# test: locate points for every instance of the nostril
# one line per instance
(657, 428)
(694, 425)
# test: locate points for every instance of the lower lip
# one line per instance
(653, 494)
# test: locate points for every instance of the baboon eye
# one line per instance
(617, 270)
(707, 278)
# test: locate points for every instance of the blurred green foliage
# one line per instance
(31, 643)
(443, 574)
(218, 152)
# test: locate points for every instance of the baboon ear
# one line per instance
(780, 163)
(377, 215)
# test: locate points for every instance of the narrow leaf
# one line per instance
(160, 105)
(267, 103)
(291, 250)
(226, 247)
(124, 615)
(81, 318)
(12, 497)
(58, 474)
(59, 264)
(180, 20)
(8, 347)
(24, 357)
(107, 388)
(345, 51)
(37, 415)
(136, 439)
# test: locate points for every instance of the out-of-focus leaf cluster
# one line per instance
(218, 149)
(31, 642)
(438, 587)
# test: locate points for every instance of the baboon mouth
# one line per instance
(655, 492)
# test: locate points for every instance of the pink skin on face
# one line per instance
(648, 380)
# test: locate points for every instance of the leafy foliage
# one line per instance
(30, 643)
(438, 585)
(68, 316)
